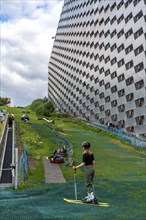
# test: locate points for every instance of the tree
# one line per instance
(4, 101)
(42, 107)
(34, 105)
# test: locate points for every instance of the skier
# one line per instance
(10, 122)
(88, 163)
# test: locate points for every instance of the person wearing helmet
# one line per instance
(88, 162)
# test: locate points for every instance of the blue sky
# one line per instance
(27, 28)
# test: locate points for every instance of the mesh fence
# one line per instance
(128, 138)
(23, 164)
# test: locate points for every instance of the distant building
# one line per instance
(97, 65)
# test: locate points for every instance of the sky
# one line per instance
(26, 31)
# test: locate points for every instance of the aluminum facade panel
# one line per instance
(97, 66)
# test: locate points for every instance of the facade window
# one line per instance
(92, 66)
(101, 108)
(107, 72)
(96, 104)
(130, 113)
(121, 108)
(120, 4)
(101, 58)
(113, 47)
(121, 92)
(129, 49)
(139, 67)
(120, 48)
(135, 2)
(114, 103)
(91, 77)
(107, 33)
(101, 95)
(138, 50)
(128, 3)
(96, 45)
(107, 59)
(101, 83)
(129, 65)
(139, 102)
(107, 46)
(101, 45)
(96, 92)
(113, 61)
(95, 23)
(92, 55)
(114, 117)
(129, 97)
(96, 68)
(107, 99)
(120, 18)
(120, 33)
(114, 89)
(91, 45)
(113, 19)
(113, 6)
(107, 7)
(101, 33)
(107, 85)
(128, 33)
(107, 20)
(128, 17)
(138, 16)
(121, 77)
(138, 33)
(121, 124)
(101, 21)
(139, 84)
(129, 81)
(92, 100)
(101, 70)
(121, 63)
(139, 120)
(107, 112)
(113, 33)
(113, 75)
(96, 33)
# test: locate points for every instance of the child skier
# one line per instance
(89, 163)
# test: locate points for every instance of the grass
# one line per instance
(119, 178)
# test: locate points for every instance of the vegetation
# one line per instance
(42, 141)
(4, 101)
(42, 107)
(120, 169)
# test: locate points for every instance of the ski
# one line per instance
(103, 204)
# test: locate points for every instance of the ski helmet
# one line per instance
(86, 144)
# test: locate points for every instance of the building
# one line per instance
(98, 61)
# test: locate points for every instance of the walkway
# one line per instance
(53, 173)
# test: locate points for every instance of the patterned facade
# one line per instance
(97, 65)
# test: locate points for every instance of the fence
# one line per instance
(128, 138)
(23, 164)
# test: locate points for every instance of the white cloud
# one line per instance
(27, 28)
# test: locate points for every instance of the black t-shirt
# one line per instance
(88, 159)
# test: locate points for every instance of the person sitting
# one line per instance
(60, 152)
(63, 151)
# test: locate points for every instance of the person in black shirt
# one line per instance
(88, 162)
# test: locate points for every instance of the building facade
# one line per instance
(97, 66)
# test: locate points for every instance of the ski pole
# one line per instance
(75, 185)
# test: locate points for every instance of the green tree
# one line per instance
(4, 101)
(36, 103)
(45, 109)
(42, 107)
